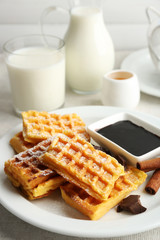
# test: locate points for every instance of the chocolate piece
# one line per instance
(122, 160)
(131, 204)
(102, 149)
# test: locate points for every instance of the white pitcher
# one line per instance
(153, 16)
(89, 47)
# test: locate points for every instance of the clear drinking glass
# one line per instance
(36, 68)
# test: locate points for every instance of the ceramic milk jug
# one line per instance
(154, 35)
(89, 47)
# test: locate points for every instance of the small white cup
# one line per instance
(120, 89)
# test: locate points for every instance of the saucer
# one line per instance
(149, 78)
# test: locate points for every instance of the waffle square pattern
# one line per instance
(95, 209)
(78, 162)
(28, 174)
(38, 126)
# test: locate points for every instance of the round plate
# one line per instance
(149, 78)
(53, 214)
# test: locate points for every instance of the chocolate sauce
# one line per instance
(133, 138)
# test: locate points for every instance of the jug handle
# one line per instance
(48, 11)
(153, 10)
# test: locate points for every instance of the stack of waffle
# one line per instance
(25, 169)
(95, 208)
(27, 172)
(90, 180)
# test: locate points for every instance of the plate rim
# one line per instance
(102, 231)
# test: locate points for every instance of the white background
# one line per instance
(125, 19)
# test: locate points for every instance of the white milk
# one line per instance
(89, 50)
(37, 77)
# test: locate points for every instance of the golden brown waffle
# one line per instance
(94, 208)
(38, 126)
(19, 144)
(78, 162)
(27, 173)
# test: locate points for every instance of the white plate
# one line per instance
(149, 78)
(54, 215)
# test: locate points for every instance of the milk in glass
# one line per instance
(37, 77)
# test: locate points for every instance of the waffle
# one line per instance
(27, 173)
(19, 144)
(78, 162)
(94, 208)
(38, 126)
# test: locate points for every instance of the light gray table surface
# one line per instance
(11, 227)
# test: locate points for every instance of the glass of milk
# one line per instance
(36, 68)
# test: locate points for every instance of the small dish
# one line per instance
(120, 89)
(134, 139)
